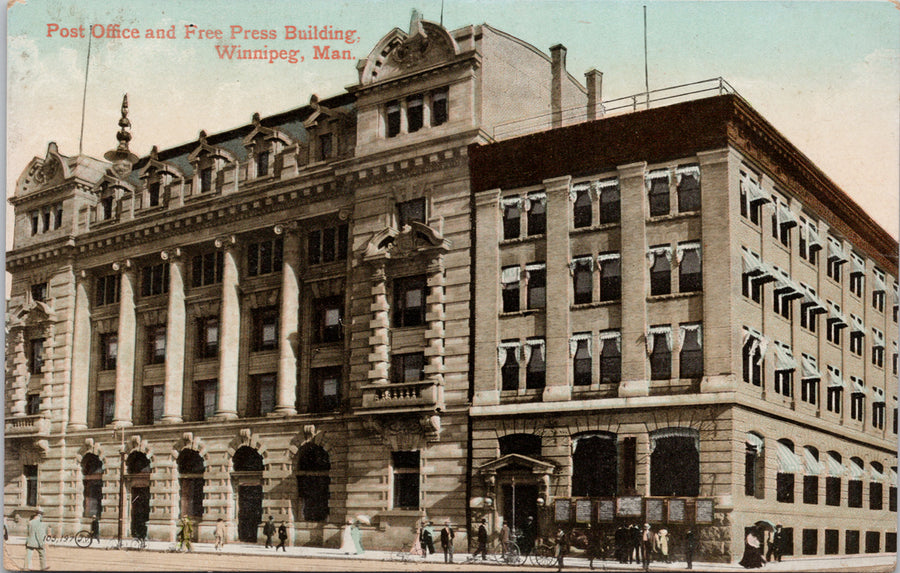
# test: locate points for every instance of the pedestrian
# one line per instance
(504, 538)
(447, 535)
(648, 540)
(482, 540)
(356, 535)
(282, 537)
(95, 528)
(529, 535)
(595, 544)
(347, 546)
(426, 538)
(752, 557)
(560, 548)
(662, 544)
(220, 534)
(269, 531)
(776, 546)
(34, 540)
(185, 534)
(634, 544)
(689, 548)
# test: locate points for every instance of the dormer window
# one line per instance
(154, 194)
(107, 208)
(206, 179)
(326, 146)
(262, 163)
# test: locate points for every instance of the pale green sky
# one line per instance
(826, 74)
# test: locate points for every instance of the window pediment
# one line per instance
(414, 238)
(264, 138)
(516, 461)
(206, 151)
(155, 167)
(398, 52)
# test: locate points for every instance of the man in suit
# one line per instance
(34, 540)
(447, 535)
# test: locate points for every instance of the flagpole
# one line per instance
(646, 74)
(87, 66)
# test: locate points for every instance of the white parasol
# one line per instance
(364, 519)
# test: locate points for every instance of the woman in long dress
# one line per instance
(347, 545)
(356, 535)
(753, 557)
(417, 543)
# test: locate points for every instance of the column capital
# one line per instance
(172, 254)
(123, 266)
(226, 242)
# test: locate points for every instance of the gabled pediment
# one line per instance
(33, 314)
(427, 44)
(412, 239)
(266, 133)
(320, 112)
(205, 149)
(518, 462)
(154, 165)
(52, 170)
(112, 183)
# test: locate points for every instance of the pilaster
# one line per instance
(175, 338)
(486, 276)
(126, 345)
(230, 331)
(559, 366)
(288, 322)
(81, 354)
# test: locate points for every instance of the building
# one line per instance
(278, 315)
(680, 320)
(343, 310)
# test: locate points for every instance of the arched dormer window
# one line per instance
(210, 165)
(156, 177)
(263, 145)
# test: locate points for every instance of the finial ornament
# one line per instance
(121, 157)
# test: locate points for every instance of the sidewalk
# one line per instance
(813, 564)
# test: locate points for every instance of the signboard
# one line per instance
(676, 511)
(629, 506)
(607, 510)
(654, 510)
(704, 511)
(563, 510)
(583, 510)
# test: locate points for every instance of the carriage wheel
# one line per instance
(544, 556)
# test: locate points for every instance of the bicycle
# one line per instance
(511, 556)
(543, 554)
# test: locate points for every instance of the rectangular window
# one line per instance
(262, 163)
(610, 276)
(439, 107)
(873, 541)
(581, 361)
(832, 491)
(537, 214)
(892, 498)
(409, 301)
(832, 544)
(583, 207)
(107, 290)
(833, 331)
(810, 541)
(39, 292)
(878, 300)
(510, 281)
(752, 470)
(890, 541)
(856, 343)
(536, 274)
(106, 400)
(659, 193)
(36, 355)
(156, 344)
(660, 355)
(31, 485)
(851, 542)
(691, 357)
(208, 337)
(509, 353)
(878, 356)
(833, 269)
(752, 359)
(107, 208)
(784, 382)
(610, 202)
(536, 370)
(784, 487)
(32, 404)
(782, 221)
(327, 245)
(153, 194)
(57, 222)
(834, 400)
(690, 276)
(610, 357)
(856, 283)
(406, 479)
(154, 400)
(660, 271)
(782, 306)
(407, 367)
(688, 188)
(876, 495)
(878, 415)
(326, 392)
(857, 406)
(414, 113)
(392, 119)
(809, 390)
(207, 269)
(205, 399)
(109, 350)
(512, 218)
(155, 279)
(583, 280)
(854, 493)
(265, 257)
(751, 288)
(811, 490)
(206, 180)
(411, 212)
(265, 328)
(35, 223)
(329, 319)
(262, 398)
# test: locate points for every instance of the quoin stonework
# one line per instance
(466, 287)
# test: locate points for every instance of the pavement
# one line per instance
(868, 562)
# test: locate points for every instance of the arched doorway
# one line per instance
(313, 481)
(247, 469)
(92, 474)
(190, 476)
(138, 467)
(675, 462)
(594, 467)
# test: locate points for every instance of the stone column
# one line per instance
(559, 364)
(175, 336)
(379, 327)
(434, 336)
(288, 323)
(81, 354)
(229, 331)
(125, 340)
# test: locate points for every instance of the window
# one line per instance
(811, 479)
(834, 324)
(784, 382)
(878, 348)
(32, 404)
(610, 351)
(581, 358)
(752, 357)
(688, 188)
(207, 269)
(407, 367)
(857, 335)
(810, 244)
(610, 276)
(876, 490)
(833, 490)
(753, 277)
(582, 208)
(107, 208)
(205, 399)
(510, 280)
(329, 319)
(857, 400)
(782, 221)
(35, 223)
(536, 368)
(690, 277)
(208, 337)
(265, 257)
(406, 479)
(854, 493)
(536, 274)
(414, 113)
(851, 542)
(836, 258)
(892, 497)
(262, 163)
(439, 107)
(106, 400)
(109, 350)
(392, 118)
(660, 270)
(691, 358)
(509, 355)
(808, 313)
(857, 274)
(659, 348)
(153, 194)
(781, 305)
(411, 211)
(878, 415)
(31, 485)
(155, 279)
(154, 403)
(754, 466)
(92, 475)
(313, 482)
(327, 245)
(658, 187)
(610, 203)
(809, 390)
(784, 487)
(326, 395)
(39, 292)
(262, 397)
(536, 206)
(834, 399)
(512, 217)
(675, 462)
(409, 301)
(594, 465)
(156, 344)
(107, 290)
(785, 365)
(265, 328)
(583, 279)
(36, 355)
(810, 541)
(206, 180)
(832, 544)
(873, 541)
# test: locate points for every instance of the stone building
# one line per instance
(276, 317)
(675, 312)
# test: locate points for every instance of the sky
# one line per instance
(826, 74)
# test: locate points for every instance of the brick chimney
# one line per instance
(558, 73)
(593, 79)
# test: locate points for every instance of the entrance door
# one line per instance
(140, 511)
(249, 511)
(525, 504)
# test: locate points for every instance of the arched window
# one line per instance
(92, 473)
(137, 463)
(138, 466)
(754, 466)
(313, 481)
(855, 483)
(876, 487)
(190, 472)
(811, 479)
(523, 444)
(675, 462)
(789, 464)
(594, 468)
(246, 459)
(833, 481)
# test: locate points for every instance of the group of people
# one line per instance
(423, 544)
(636, 545)
(351, 538)
(269, 530)
(755, 552)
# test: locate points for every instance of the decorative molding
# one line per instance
(405, 432)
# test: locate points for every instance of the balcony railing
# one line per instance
(408, 396)
(27, 426)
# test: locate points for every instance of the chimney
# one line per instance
(594, 82)
(558, 73)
